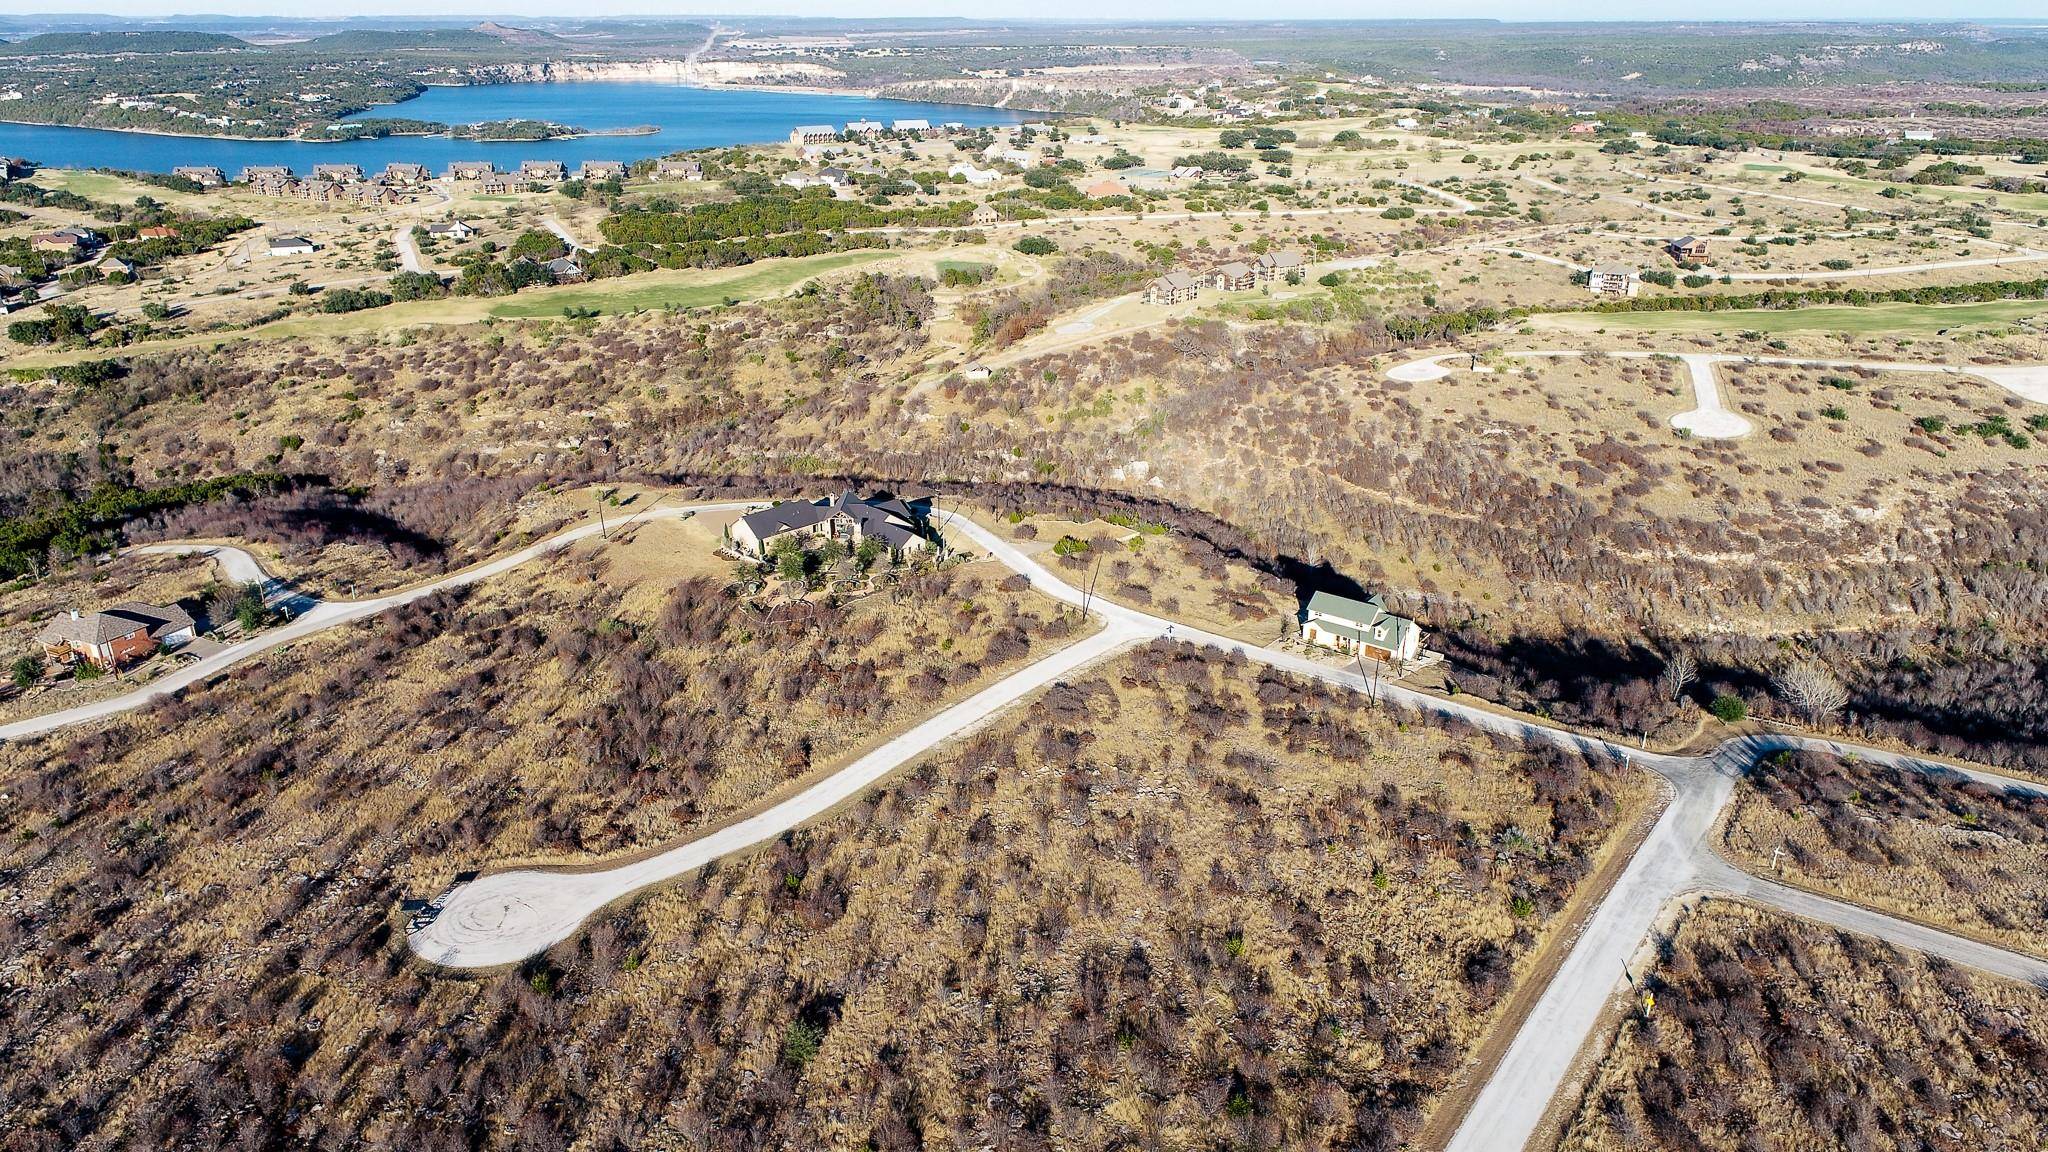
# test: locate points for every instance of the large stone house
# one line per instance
(401, 173)
(338, 173)
(471, 169)
(900, 525)
(601, 170)
(1360, 626)
(813, 134)
(542, 170)
(111, 638)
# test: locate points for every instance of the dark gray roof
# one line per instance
(892, 521)
(86, 629)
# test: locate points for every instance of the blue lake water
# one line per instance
(688, 118)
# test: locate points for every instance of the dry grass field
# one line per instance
(1145, 567)
(1775, 1035)
(1177, 901)
(1961, 856)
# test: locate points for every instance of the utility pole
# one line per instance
(602, 531)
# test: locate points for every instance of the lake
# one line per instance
(688, 118)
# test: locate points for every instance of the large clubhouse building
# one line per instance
(898, 524)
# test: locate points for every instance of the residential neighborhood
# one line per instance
(1235, 276)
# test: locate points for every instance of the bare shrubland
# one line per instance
(1773, 1034)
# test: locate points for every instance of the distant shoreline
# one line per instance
(794, 89)
(634, 130)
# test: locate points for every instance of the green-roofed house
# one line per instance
(1350, 626)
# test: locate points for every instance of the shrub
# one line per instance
(1728, 709)
(1036, 246)
(800, 1043)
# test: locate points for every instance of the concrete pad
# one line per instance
(1420, 371)
(2027, 381)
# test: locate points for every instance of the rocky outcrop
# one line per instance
(1022, 96)
(663, 71)
(569, 71)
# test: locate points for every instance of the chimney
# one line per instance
(75, 615)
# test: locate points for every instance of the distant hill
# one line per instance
(511, 35)
(371, 40)
(112, 42)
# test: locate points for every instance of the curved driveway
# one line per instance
(504, 918)
(318, 618)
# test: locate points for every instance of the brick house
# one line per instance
(108, 639)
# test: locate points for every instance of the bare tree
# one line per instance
(1679, 673)
(1810, 687)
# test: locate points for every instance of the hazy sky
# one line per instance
(1092, 9)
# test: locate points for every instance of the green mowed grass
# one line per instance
(2023, 201)
(1874, 319)
(109, 189)
(682, 289)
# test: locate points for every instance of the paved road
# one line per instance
(1157, 217)
(408, 248)
(322, 616)
(562, 230)
(1709, 417)
(1676, 859)
(505, 917)
(1452, 198)
(236, 564)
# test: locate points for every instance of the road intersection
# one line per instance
(505, 917)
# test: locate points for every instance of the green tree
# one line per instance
(791, 563)
(800, 1043)
(27, 670)
(1728, 709)
(1036, 246)
(870, 550)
